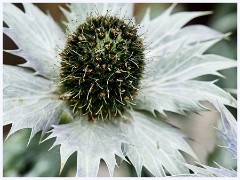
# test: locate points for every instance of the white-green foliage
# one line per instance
(29, 101)
(174, 57)
(79, 12)
(93, 141)
(229, 134)
(207, 171)
(38, 37)
(229, 131)
(155, 145)
(146, 143)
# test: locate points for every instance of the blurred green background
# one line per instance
(35, 159)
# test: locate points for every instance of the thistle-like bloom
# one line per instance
(113, 78)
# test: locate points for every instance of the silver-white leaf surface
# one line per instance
(180, 96)
(80, 11)
(92, 141)
(207, 171)
(229, 130)
(168, 85)
(154, 144)
(29, 101)
(229, 135)
(165, 34)
(174, 58)
(38, 37)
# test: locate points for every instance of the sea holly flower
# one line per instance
(114, 78)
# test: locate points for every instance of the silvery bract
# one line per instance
(173, 59)
(229, 135)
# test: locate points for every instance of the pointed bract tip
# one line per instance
(207, 12)
(227, 35)
(61, 168)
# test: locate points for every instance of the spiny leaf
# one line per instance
(180, 96)
(173, 58)
(229, 131)
(80, 11)
(154, 144)
(168, 85)
(29, 101)
(207, 171)
(92, 141)
(37, 36)
(163, 28)
(229, 134)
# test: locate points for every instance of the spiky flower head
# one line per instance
(113, 77)
(101, 67)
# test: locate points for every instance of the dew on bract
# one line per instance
(101, 67)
